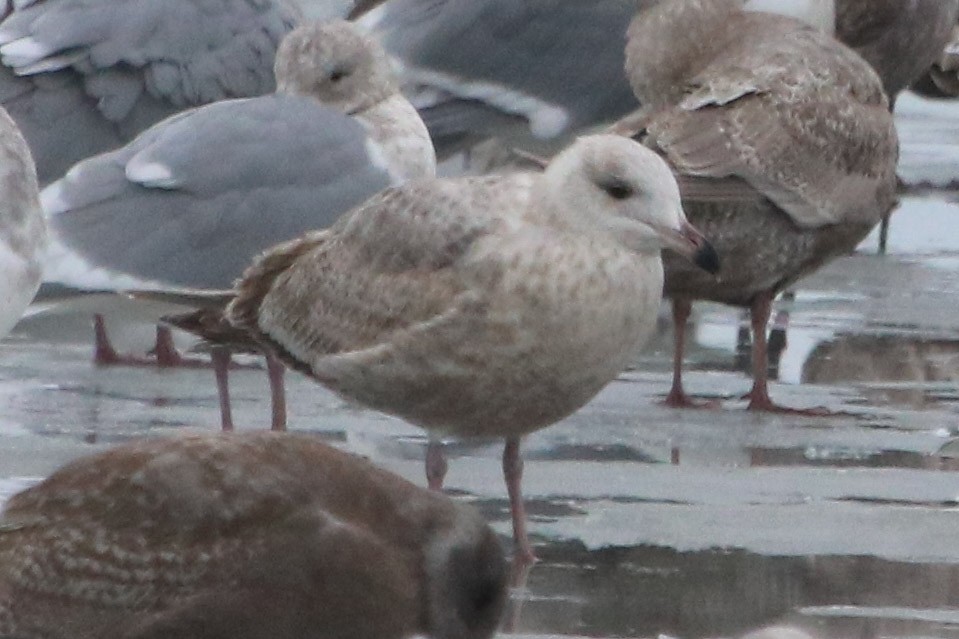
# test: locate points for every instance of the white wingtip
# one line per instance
(51, 199)
(23, 52)
(150, 174)
(370, 21)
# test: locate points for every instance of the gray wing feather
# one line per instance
(186, 47)
(94, 73)
(242, 176)
(575, 48)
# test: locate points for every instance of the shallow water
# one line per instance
(647, 520)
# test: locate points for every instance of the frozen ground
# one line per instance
(650, 521)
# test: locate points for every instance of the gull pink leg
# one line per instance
(276, 371)
(221, 369)
(677, 397)
(436, 466)
(513, 474)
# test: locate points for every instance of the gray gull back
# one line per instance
(81, 77)
(193, 199)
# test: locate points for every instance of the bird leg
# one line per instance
(167, 356)
(220, 356)
(165, 352)
(677, 397)
(759, 399)
(883, 234)
(275, 371)
(513, 474)
(435, 465)
(104, 354)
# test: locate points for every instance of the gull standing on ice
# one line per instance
(192, 200)
(783, 141)
(480, 307)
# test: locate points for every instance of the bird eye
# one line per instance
(338, 75)
(618, 190)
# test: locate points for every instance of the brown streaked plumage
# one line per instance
(901, 39)
(784, 144)
(262, 535)
(942, 80)
(490, 306)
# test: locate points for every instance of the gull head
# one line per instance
(467, 578)
(336, 64)
(611, 184)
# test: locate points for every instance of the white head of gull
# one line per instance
(22, 229)
(192, 200)
(488, 306)
(259, 536)
(783, 143)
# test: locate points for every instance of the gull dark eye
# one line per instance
(617, 190)
(338, 75)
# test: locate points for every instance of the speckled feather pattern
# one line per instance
(797, 119)
(197, 534)
(456, 305)
(23, 232)
(815, 137)
(762, 250)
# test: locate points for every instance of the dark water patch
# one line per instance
(647, 591)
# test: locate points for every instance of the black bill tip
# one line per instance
(707, 258)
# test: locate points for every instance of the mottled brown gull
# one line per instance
(193, 199)
(22, 229)
(488, 306)
(901, 40)
(942, 80)
(254, 536)
(784, 144)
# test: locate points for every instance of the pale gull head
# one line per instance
(336, 64)
(609, 182)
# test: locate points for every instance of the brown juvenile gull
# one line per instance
(901, 40)
(254, 536)
(784, 144)
(191, 201)
(488, 306)
(22, 229)
(942, 79)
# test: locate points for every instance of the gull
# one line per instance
(190, 201)
(479, 307)
(22, 228)
(784, 146)
(252, 536)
